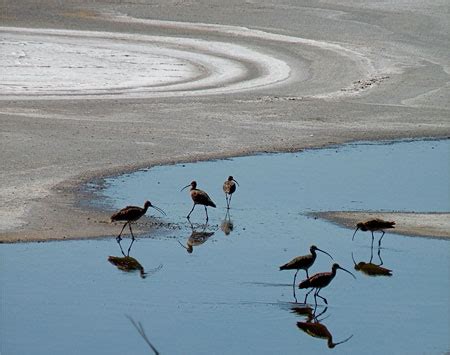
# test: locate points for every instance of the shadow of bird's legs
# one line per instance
(129, 248)
(371, 254)
(189, 215)
(372, 239)
(229, 201)
(379, 256)
(317, 294)
(307, 294)
(379, 242)
(120, 245)
(131, 231)
(316, 317)
(293, 285)
(118, 238)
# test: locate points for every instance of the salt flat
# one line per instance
(84, 92)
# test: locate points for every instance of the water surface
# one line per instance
(228, 296)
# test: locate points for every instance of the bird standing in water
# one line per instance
(303, 262)
(229, 187)
(200, 198)
(374, 225)
(321, 280)
(131, 214)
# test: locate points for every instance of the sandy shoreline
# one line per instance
(50, 146)
(433, 225)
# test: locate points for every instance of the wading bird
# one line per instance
(131, 214)
(374, 225)
(229, 187)
(321, 280)
(200, 198)
(303, 262)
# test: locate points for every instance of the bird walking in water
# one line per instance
(229, 187)
(200, 198)
(321, 280)
(131, 214)
(303, 262)
(374, 225)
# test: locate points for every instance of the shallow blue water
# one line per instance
(228, 296)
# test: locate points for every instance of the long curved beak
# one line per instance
(185, 187)
(347, 272)
(355, 233)
(236, 182)
(323, 251)
(159, 210)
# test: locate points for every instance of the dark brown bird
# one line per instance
(128, 264)
(200, 198)
(303, 262)
(321, 280)
(374, 225)
(229, 187)
(131, 214)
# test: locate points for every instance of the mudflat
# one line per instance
(92, 90)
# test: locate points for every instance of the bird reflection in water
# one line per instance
(370, 268)
(316, 329)
(227, 224)
(129, 264)
(196, 238)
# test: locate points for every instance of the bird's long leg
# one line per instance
(191, 211)
(132, 235)
(229, 201)
(118, 238)
(379, 242)
(307, 276)
(206, 211)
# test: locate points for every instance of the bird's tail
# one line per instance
(212, 204)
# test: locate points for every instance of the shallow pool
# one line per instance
(228, 296)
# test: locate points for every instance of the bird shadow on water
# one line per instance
(313, 325)
(198, 236)
(127, 263)
(371, 269)
(227, 225)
